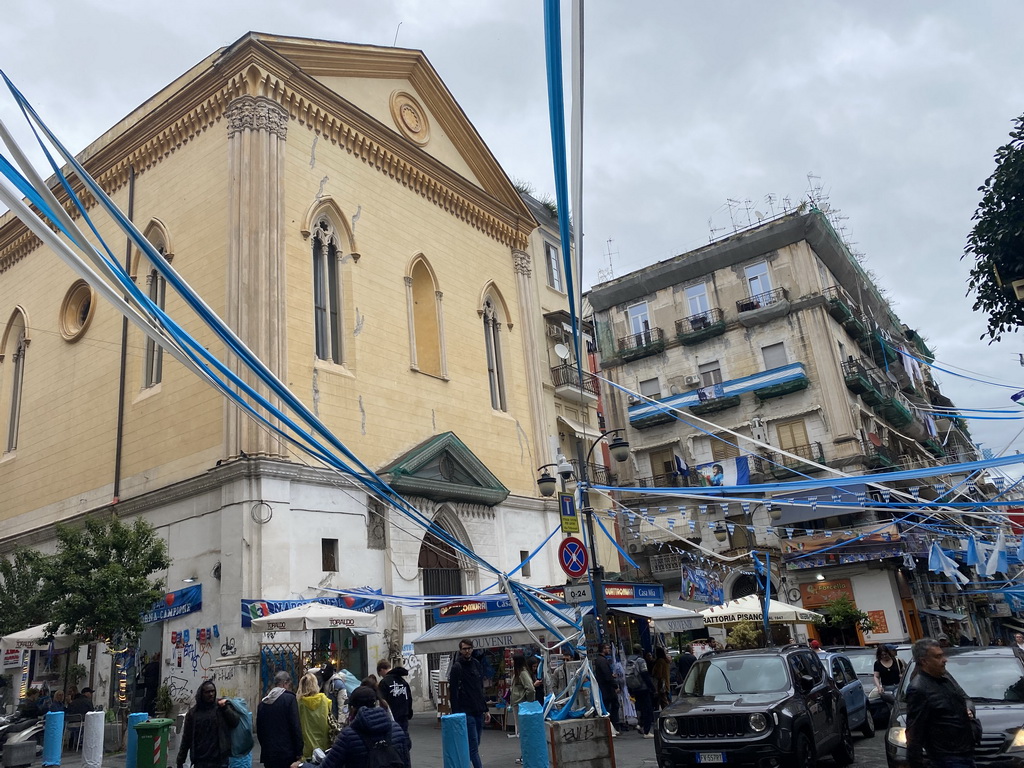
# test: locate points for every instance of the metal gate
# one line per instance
(277, 657)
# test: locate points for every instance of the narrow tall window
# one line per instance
(328, 554)
(554, 265)
(774, 356)
(14, 353)
(326, 293)
(791, 434)
(710, 373)
(524, 557)
(639, 322)
(697, 299)
(426, 321)
(758, 279)
(495, 365)
(156, 288)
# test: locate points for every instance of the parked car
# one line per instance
(863, 661)
(993, 679)
(840, 669)
(764, 707)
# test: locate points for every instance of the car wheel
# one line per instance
(868, 729)
(804, 751)
(843, 753)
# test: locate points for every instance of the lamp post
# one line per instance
(619, 449)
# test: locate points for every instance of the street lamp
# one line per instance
(619, 450)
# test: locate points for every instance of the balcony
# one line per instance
(895, 410)
(713, 399)
(652, 419)
(840, 306)
(790, 384)
(763, 307)
(637, 345)
(863, 379)
(780, 466)
(856, 328)
(700, 327)
(668, 480)
(934, 447)
(880, 457)
(567, 384)
(598, 474)
(880, 352)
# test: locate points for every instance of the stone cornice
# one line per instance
(198, 100)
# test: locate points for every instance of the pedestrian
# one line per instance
(277, 725)
(523, 688)
(371, 729)
(943, 640)
(314, 716)
(395, 691)
(81, 703)
(466, 691)
(662, 674)
(57, 704)
(605, 676)
(940, 717)
(684, 661)
(886, 672)
(206, 733)
(641, 688)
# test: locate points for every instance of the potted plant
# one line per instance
(163, 704)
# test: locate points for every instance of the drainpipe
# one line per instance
(119, 440)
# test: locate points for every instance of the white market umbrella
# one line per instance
(751, 608)
(314, 616)
(35, 639)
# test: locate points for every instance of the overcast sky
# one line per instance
(896, 108)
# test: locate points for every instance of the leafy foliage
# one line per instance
(842, 614)
(21, 602)
(98, 583)
(745, 635)
(997, 241)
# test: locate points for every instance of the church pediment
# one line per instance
(442, 468)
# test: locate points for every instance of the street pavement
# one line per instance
(499, 751)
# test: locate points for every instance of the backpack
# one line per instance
(635, 667)
(241, 734)
(381, 753)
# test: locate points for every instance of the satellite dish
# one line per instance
(562, 351)
(892, 377)
(875, 439)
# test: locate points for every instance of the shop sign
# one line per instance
(570, 520)
(999, 609)
(12, 658)
(878, 619)
(177, 603)
(818, 593)
(254, 609)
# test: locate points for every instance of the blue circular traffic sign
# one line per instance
(572, 556)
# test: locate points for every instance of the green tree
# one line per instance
(842, 614)
(21, 582)
(745, 635)
(996, 243)
(99, 581)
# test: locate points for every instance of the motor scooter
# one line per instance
(20, 728)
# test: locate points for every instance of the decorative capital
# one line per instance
(521, 262)
(257, 113)
(408, 281)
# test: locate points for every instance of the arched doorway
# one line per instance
(440, 574)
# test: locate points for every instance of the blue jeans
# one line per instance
(475, 726)
(953, 761)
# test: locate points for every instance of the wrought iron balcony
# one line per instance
(780, 465)
(648, 342)
(713, 399)
(567, 384)
(700, 327)
(840, 305)
(761, 300)
(862, 378)
(596, 473)
(668, 480)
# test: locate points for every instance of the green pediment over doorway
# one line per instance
(442, 468)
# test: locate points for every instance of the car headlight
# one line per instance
(1017, 745)
(897, 736)
(669, 726)
(758, 722)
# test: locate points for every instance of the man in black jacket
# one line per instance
(684, 661)
(606, 685)
(277, 725)
(207, 730)
(397, 693)
(939, 714)
(466, 683)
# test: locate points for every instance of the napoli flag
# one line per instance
(735, 471)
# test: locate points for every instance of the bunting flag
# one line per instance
(971, 558)
(725, 507)
(939, 562)
(768, 505)
(693, 525)
(972, 487)
(703, 508)
(663, 510)
(746, 507)
(940, 488)
(915, 491)
(789, 532)
(1020, 550)
(836, 498)
(1000, 482)
(731, 527)
(908, 561)
(671, 523)
(612, 514)
(862, 497)
(814, 503)
(808, 531)
(886, 495)
(997, 561)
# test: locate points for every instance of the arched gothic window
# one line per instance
(426, 320)
(327, 311)
(492, 343)
(156, 290)
(15, 348)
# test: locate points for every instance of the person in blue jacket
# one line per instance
(371, 728)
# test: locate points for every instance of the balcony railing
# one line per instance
(668, 480)
(840, 305)
(862, 378)
(566, 375)
(704, 325)
(780, 464)
(596, 473)
(648, 342)
(761, 300)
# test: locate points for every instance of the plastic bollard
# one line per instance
(130, 756)
(153, 736)
(53, 738)
(455, 741)
(92, 740)
(533, 742)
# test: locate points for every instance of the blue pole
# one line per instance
(767, 595)
(131, 755)
(53, 738)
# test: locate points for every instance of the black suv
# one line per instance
(766, 707)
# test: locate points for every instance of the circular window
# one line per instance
(410, 117)
(76, 310)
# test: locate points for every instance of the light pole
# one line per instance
(619, 449)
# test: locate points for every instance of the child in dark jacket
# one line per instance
(369, 725)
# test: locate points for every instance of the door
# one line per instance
(851, 689)
(821, 701)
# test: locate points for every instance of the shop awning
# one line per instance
(582, 431)
(36, 639)
(948, 615)
(666, 618)
(1012, 625)
(485, 632)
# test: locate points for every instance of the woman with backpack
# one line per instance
(372, 740)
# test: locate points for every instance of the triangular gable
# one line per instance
(367, 76)
(442, 468)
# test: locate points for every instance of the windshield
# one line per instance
(863, 663)
(721, 674)
(999, 678)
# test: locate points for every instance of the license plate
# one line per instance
(711, 757)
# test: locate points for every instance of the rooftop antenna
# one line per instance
(770, 199)
(733, 205)
(713, 229)
(396, 34)
(609, 273)
(747, 204)
(786, 204)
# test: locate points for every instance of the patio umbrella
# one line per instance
(751, 608)
(35, 639)
(314, 616)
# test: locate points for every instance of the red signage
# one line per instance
(572, 556)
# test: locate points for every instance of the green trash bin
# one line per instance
(152, 746)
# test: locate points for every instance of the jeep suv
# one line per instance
(767, 707)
